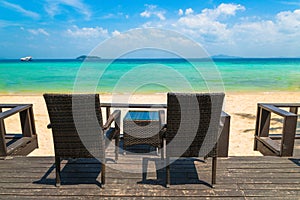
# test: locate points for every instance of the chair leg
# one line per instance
(214, 170)
(117, 143)
(103, 175)
(57, 171)
(167, 172)
(163, 149)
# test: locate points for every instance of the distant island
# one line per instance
(225, 56)
(84, 57)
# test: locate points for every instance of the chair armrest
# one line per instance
(113, 117)
(163, 130)
(49, 126)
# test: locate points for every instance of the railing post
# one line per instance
(257, 126)
(3, 149)
(32, 120)
(294, 110)
(26, 123)
(288, 135)
(264, 125)
(107, 112)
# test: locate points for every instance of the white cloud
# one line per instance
(289, 21)
(252, 36)
(115, 33)
(4, 23)
(151, 10)
(55, 7)
(222, 10)
(180, 12)
(38, 31)
(85, 32)
(208, 26)
(146, 14)
(20, 9)
(189, 11)
(115, 16)
(139, 40)
(206, 22)
(229, 9)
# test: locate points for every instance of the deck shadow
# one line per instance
(74, 172)
(182, 171)
(137, 149)
(296, 161)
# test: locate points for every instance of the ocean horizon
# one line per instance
(140, 75)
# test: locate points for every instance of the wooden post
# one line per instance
(3, 149)
(288, 135)
(294, 110)
(257, 126)
(32, 120)
(26, 124)
(264, 124)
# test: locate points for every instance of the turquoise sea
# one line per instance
(150, 75)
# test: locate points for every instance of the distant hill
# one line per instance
(225, 56)
(84, 57)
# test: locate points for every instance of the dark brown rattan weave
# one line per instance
(142, 132)
(77, 128)
(187, 133)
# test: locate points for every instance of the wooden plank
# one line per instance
(273, 144)
(265, 149)
(237, 177)
(279, 136)
(131, 192)
(286, 104)
(273, 108)
(14, 110)
(8, 197)
(22, 146)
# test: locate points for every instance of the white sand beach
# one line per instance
(241, 107)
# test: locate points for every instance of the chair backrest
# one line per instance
(76, 123)
(193, 122)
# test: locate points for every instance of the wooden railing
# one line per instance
(18, 144)
(282, 144)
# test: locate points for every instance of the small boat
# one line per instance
(27, 58)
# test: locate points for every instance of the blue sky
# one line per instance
(70, 28)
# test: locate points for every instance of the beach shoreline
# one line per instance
(241, 106)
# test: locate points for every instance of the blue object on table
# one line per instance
(142, 115)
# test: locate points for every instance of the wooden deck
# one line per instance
(237, 178)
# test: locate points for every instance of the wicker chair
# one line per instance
(78, 130)
(193, 122)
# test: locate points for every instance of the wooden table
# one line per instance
(142, 127)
